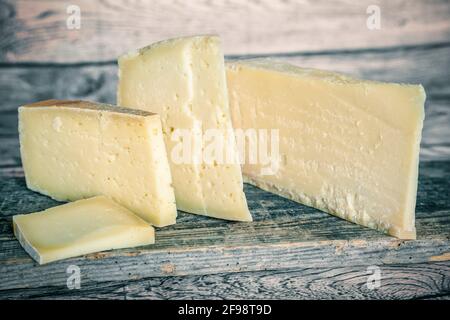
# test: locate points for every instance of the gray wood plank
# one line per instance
(437, 297)
(36, 31)
(23, 85)
(428, 66)
(20, 85)
(29, 83)
(9, 151)
(435, 136)
(414, 281)
(284, 235)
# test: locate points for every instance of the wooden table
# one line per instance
(290, 250)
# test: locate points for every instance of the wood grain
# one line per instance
(29, 83)
(21, 85)
(290, 251)
(10, 153)
(25, 84)
(284, 235)
(415, 281)
(36, 31)
(435, 144)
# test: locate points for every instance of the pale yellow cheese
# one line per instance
(73, 150)
(79, 228)
(346, 146)
(183, 80)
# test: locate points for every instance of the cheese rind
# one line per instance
(74, 149)
(79, 228)
(346, 146)
(184, 81)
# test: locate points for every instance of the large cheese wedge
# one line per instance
(183, 80)
(74, 149)
(348, 147)
(79, 228)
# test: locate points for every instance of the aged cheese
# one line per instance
(183, 80)
(79, 228)
(347, 147)
(75, 149)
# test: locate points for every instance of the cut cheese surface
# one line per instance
(78, 228)
(184, 81)
(346, 146)
(74, 149)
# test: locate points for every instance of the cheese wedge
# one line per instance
(74, 149)
(347, 147)
(79, 228)
(183, 80)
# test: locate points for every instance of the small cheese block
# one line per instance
(346, 146)
(75, 149)
(183, 80)
(79, 228)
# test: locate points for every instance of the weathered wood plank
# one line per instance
(443, 296)
(20, 85)
(429, 67)
(419, 65)
(435, 136)
(415, 281)
(37, 30)
(284, 235)
(10, 153)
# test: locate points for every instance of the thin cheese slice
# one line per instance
(79, 228)
(183, 80)
(346, 146)
(74, 149)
